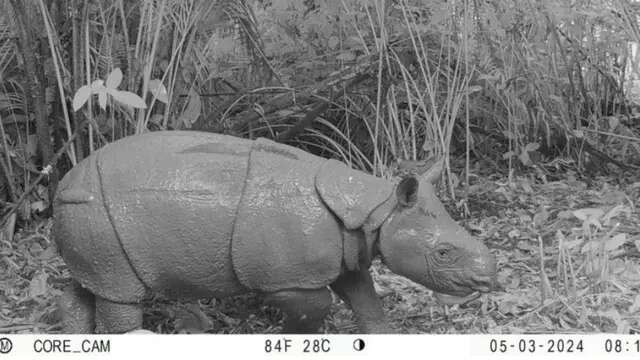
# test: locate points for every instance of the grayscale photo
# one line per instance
(319, 167)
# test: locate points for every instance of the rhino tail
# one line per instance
(75, 196)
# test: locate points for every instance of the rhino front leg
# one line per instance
(77, 307)
(356, 289)
(304, 309)
(115, 318)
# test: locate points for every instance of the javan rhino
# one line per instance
(198, 215)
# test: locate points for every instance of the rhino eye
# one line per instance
(445, 253)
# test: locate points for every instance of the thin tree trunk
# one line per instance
(78, 73)
(35, 90)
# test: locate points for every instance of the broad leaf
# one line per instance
(97, 85)
(128, 98)
(102, 100)
(38, 285)
(615, 242)
(114, 79)
(584, 214)
(157, 89)
(81, 97)
(192, 112)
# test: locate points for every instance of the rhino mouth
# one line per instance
(477, 285)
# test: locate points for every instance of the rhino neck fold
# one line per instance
(371, 227)
(371, 245)
(380, 214)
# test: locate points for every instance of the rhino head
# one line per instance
(420, 241)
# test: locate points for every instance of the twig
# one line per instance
(555, 301)
(238, 93)
(584, 144)
(302, 124)
(43, 173)
(6, 167)
(8, 176)
(16, 327)
(630, 138)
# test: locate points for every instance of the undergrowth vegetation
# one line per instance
(532, 105)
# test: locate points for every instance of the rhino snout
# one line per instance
(483, 271)
(483, 283)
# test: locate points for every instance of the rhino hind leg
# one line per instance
(77, 306)
(304, 310)
(115, 318)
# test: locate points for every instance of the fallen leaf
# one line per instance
(191, 320)
(514, 233)
(346, 56)
(565, 214)
(615, 242)
(586, 213)
(568, 244)
(540, 217)
(38, 206)
(333, 42)
(38, 285)
(615, 211)
(611, 314)
(526, 246)
(47, 254)
(636, 305)
(591, 246)
(508, 305)
(611, 197)
(9, 229)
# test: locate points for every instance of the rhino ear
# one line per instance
(433, 174)
(407, 191)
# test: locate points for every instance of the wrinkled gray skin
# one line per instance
(156, 213)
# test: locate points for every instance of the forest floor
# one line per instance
(583, 234)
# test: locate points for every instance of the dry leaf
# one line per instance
(615, 211)
(191, 320)
(540, 217)
(38, 285)
(635, 307)
(584, 214)
(615, 242)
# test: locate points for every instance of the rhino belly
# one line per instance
(87, 241)
(174, 213)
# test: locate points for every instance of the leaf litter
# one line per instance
(568, 257)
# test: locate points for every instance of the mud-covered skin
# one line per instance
(153, 212)
(196, 215)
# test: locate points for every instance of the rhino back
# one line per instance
(171, 199)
